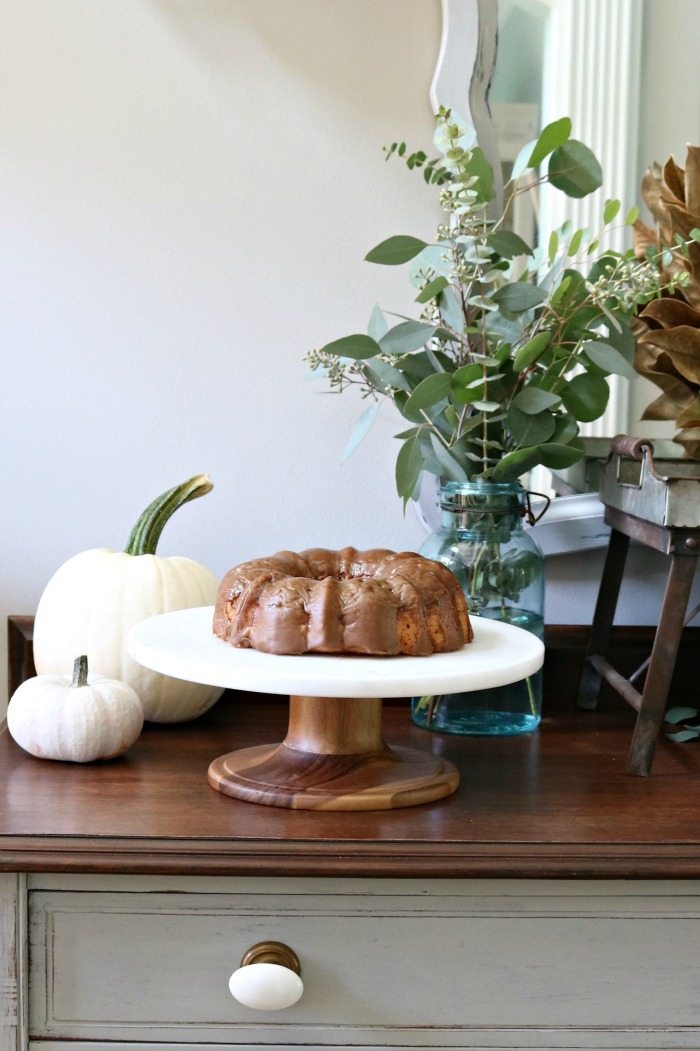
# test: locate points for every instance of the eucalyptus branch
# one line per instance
(480, 366)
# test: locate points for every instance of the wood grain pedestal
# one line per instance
(334, 758)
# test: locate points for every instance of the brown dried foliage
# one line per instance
(668, 328)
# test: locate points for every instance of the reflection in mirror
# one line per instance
(576, 58)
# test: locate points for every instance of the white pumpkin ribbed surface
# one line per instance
(93, 600)
(52, 719)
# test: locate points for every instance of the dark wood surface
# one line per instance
(557, 803)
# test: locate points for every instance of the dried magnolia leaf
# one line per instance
(673, 184)
(651, 192)
(671, 312)
(682, 222)
(690, 440)
(644, 236)
(690, 415)
(682, 345)
(661, 408)
(668, 351)
(657, 366)
(692, 294)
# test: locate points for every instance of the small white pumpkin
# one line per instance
(77, 719)
(94, 598)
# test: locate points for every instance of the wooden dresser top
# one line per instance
(553, 804)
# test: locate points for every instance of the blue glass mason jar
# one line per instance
(501, 569)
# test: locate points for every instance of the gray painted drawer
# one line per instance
(383, 963)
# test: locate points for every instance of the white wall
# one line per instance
(188, 190)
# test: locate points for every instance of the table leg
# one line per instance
(661, 665)
(599, 640)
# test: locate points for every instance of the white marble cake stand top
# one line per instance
(182, 645)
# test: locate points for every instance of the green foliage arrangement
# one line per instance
(512, 344)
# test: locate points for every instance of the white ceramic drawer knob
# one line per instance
(268, 978)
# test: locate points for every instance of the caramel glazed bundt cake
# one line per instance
(374, 602)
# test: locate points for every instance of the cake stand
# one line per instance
(334, 756)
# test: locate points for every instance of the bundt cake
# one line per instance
(318, 601)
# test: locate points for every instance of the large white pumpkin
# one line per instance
(94, 598)
(76, 719)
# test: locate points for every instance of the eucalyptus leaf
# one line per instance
(406, 337)
(417, 366)
(608, 358)
(408, 467)
(361, 429)
(586, 396)
(534, 399)
(451, 467)
(430, 391)
(508, 244)
(432, 289)
(358, 346)
(612, 207)
(515, 463)
(518, 297)
(450, 308)
(575, 243)
(487, 406)
(486, 360)
(484, 379)
(434, 359)
(681, 736)
(566, 429)
(466, 374)
(528, 429)
(479, 167)
(378, 324)
(622, 339)
(395, 250)
(533, 349)
(469, 425)
(574, 169)
(386, 377)
(551, 137)
(432, 466)
(557, 456)
(522, 161)
(681, 715)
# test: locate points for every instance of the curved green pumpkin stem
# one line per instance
(80, 671)
(146, 533)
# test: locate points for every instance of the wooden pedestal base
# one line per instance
(334, 758)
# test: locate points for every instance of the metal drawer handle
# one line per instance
(268, 978)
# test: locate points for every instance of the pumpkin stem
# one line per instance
(80, 671)
(146, 533)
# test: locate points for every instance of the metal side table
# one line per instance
(656, 502)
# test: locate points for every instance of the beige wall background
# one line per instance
(188, 188)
